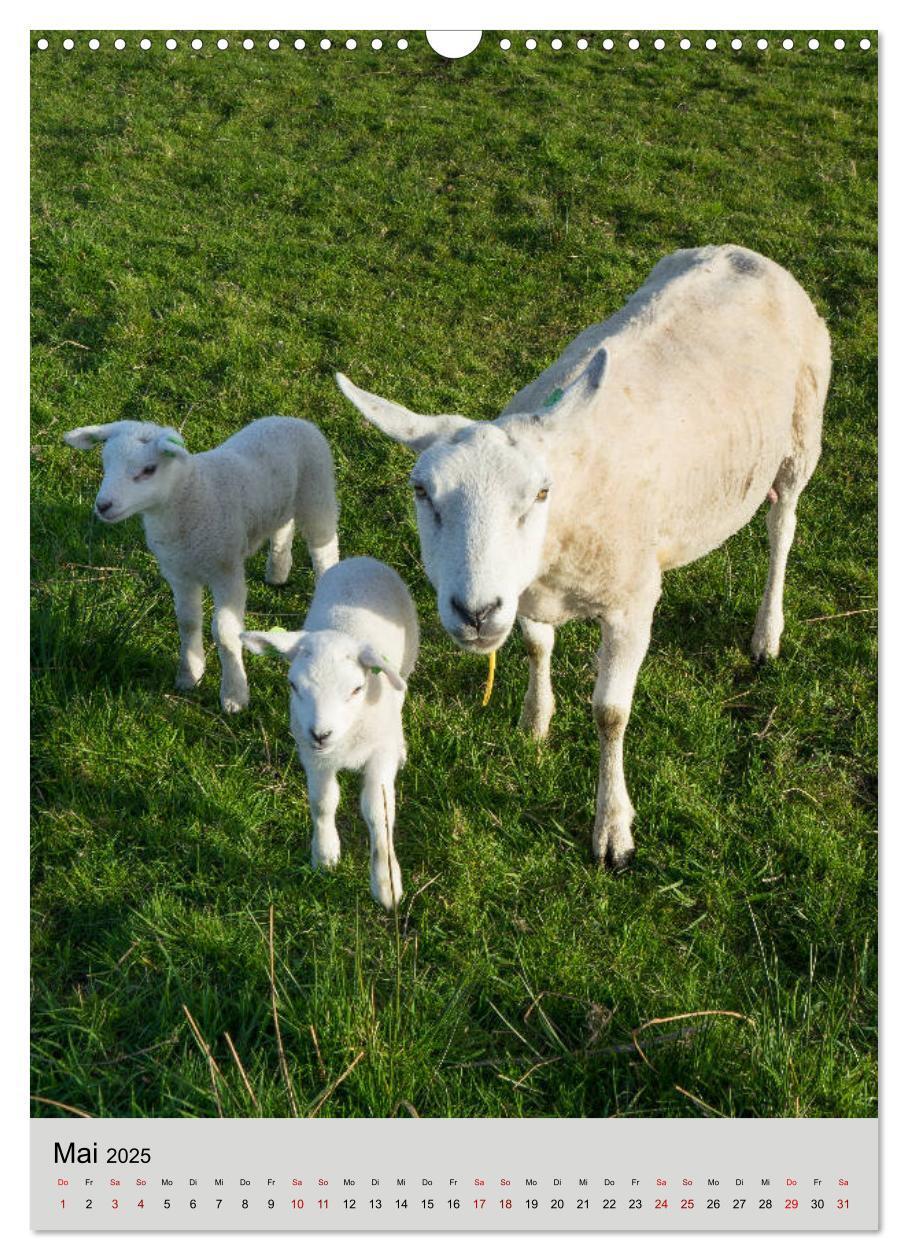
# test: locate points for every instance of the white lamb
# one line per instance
(652, 439)
(348, 671)
(204, 514)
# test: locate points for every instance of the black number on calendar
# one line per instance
(712, 1204)
(349, 1204)
(88, 1204)
(428, 1204)
(166, 1205)
(635, 1203)
(128, 1155)
(609, 1204)
(532, 1203)
(557, 1204)
(766, 1203)
(218, 1202)
(192, 1204)
(453, 1204)
(582, 1203)
(375, 1203)
(817, 1203)
(737, 1204)
(244, 1204)
(270, 1204)
(401, 1203)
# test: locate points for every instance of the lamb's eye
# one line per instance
(356, 690)
(293, 687)
(420, 492)
(149, 469)
(542, 495)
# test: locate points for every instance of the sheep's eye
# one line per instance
(420, 492)
(356, 690)
(293, 686)
(149, 469)
(542, 495)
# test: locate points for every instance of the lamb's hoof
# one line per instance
(618, 862)
(387, 892)
(234, 704)
(326, 859)
(187, 682)
(535, 723)
(273, 580)
(764, 647)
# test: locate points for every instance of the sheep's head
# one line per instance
(482, 496)
(332, 678)
(141, 462)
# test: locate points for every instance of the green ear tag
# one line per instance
(555, 396)
(174, 441)
(376, 669)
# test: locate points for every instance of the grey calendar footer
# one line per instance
(454, 1174)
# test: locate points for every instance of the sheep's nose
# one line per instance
(476, 616)
(103, 506)
(318, 737)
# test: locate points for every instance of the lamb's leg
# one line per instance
(377, 805)
(625, 639)
(229, 596)
(539, 702)
(323, 555)
(780, 525)
(324, 796)
(280, 555)
(187, 603)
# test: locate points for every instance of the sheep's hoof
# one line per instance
(613, 846)
(535, 722)
(187, 682)
(617, 862)
(387, 892)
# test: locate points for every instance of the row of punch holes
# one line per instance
(530, 44)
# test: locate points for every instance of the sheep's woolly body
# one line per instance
(652, 439)
(348, 671)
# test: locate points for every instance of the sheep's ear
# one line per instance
(91, 435)
(561, 403)
(170, 443)
(376, 664)
(285, 643)
(397, 422)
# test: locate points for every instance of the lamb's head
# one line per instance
(141, 465)
(332, 678)
(482, 496)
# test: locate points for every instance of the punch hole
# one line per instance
(865, 44)
(42, 44)
(223, 43)
(633, 44)
(196, 44)
(737, 44)
(788, 44)
(248, 43)
(710, 44)
(119, 44)
(451, 44)
(324, 44)
(299, 44)
(505, 44)
(685, 43)
(171, 44)
(658, 44)
(145, 44)
(531, 44)
(557, 44)
(93, 44)
(274, 44)
(376, 44)
(583, 44)
(839, 44)
(762, 44)
(608, 44)
(813, 44)
(68, 44)
(350, 44)
(402, 44)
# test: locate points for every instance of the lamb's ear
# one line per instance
(91, 435)
(562, 403)
(285, 642)
(374, 661)
(397, 422)
(170, 443)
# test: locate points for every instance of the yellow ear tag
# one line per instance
(490, 680)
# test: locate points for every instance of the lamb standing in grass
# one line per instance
(204, 514)
(348, 671)
(653, 438)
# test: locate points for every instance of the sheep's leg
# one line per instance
(780, 525)
(539, 701)
(625, 639)
(280, 555)
(187, 603)
(377, 806)
(324, 796)
(323, 555)
(229, 596)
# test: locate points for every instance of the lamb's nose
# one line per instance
(103, 506)
(476, 616)
(318, 737)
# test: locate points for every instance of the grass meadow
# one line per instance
(214, 234)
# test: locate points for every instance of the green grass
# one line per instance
(214, 235)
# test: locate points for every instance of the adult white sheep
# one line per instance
(653, 438)
(348, 670)
(204, 514)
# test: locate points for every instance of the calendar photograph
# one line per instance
(454, 553)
